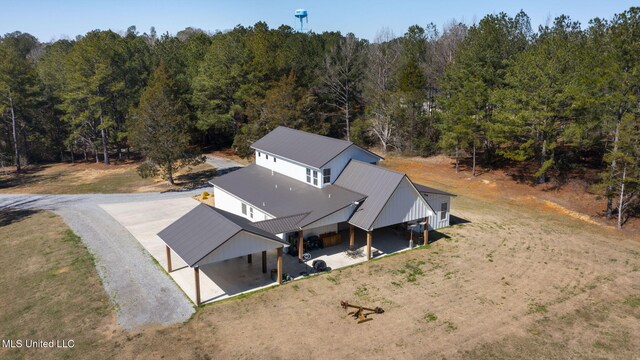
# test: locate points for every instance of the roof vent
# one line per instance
(329, 196)
(276, 186)
(290, 189)
(263, 205)
(271, 172)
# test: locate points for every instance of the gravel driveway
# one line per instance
(142, 292)
(140, 289)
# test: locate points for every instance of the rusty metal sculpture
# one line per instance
(359, 314)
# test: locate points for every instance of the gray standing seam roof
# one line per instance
(376, 182)
(306, 148)
(204, 229)
(429, 190)
(282, 196)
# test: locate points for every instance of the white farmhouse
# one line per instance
(304, 185)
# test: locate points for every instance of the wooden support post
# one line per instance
(300, 245)
(280, 265)
(264, 262)
(196, 272)
(249, 258)
(426, 231)
(369, 241)
(352, 237)
(169, 268)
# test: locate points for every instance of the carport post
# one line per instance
(300, 245)
(169, 269)
(352, 237)
(264, 262)
(369, 241)
(249, 258)
(426, 231)
(280, 265)
(196, 271)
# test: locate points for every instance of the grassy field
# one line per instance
(83, 178)
(517, 280)
(50, 288)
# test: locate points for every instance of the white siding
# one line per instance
(435, 201)
(286, 167)
(339, 162)
(335, 218)
(243, 243)
(405, 204)
(227, 202)
(321, 230)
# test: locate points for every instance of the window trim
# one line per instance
(326, 176)
(308, 175)
(251, 212)
(315, 178)
(244, 209)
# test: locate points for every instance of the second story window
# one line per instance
(244, 209)
(274, 159)
(259, 154)
(309, 176)
(267, 156)
(326, 176)
(315, 177)
(250, 212)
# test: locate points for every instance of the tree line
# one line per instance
(554, 100)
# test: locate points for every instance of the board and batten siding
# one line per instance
(404, 205)
(287, 168)
(339, 162)
(227, 202)
(436, 201)
(240, 244)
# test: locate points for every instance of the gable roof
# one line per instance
(376, 182)
(303, 147)
(282, 196)
(429, 190)
(203, 229)
(282, 224)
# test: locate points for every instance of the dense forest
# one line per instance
(555, 100)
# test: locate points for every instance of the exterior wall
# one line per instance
(339, 162)
(320, 230)
(435, 201)
(286, 167)
(405, 204)
(227, 202)
(337, 217)
(243, 243)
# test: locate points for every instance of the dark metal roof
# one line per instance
(282, 224)
(204, 229)
(303, 147)
(376, 182)
(429, 190)
(281, 196)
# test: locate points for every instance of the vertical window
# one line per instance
(259, 154)
(267, 156)
(250, 212)
(315, 177)
(326, 176)
(244, 208)
(274, 159)
(443, 211)
(309, 176)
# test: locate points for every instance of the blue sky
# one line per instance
(50, 20)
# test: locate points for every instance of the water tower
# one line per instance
(302, 15)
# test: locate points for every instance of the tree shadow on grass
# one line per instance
(27, 176)
(10, 216)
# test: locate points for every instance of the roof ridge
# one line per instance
(314, 134)
(377, 167)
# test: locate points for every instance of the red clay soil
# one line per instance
(573, 198)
